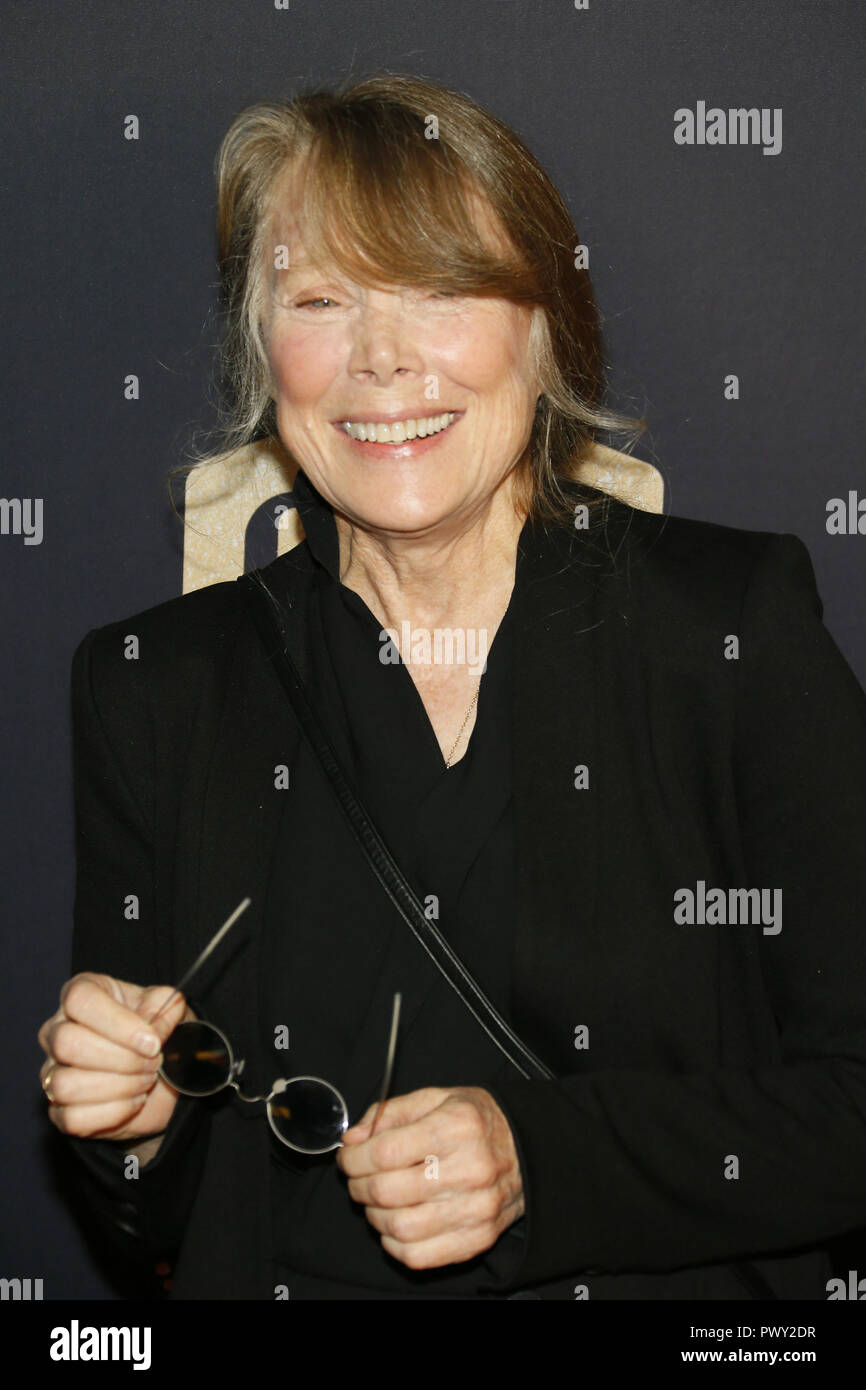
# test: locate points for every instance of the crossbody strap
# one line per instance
(265, 612)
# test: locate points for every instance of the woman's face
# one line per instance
(342, 353)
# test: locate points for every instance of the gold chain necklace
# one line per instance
(463, 726)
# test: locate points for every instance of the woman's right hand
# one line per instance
(99, 1076)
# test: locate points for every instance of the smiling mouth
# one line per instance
(398, 431)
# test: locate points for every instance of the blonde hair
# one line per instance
(390, 205)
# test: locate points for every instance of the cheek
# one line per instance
(304, 364)
(485, 353)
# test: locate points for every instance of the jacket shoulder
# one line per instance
(696, 567)
(185, 640)
(174, 636)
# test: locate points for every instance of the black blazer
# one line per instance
(718, 1113)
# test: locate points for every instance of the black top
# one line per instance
(706, 1040)
(451, 830)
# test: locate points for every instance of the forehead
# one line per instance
(301, 258)
(289, 227)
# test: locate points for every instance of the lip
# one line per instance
(387, 418)
(409, 449)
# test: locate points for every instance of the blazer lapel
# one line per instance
(560, 624)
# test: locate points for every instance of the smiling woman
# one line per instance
(407, 318)
(458, 235)
(374, 360)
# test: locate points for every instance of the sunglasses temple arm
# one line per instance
(200, 960)
(389, 1064)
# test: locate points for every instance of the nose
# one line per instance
(384, 339)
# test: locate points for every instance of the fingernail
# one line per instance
(148, 1044)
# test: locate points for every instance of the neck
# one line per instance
(461, 575)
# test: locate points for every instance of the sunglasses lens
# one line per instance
(308, 1115)
(196, 1059)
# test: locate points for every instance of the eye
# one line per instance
(323, 300)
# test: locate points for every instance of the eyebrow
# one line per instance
(292, 278)
(288, 272)
(304, 266)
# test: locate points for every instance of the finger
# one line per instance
(468, 1167)
(73, 1045)
(90, 1121)
(93, 1001)
(75, 1086)
(399, 1110)
(44, 1035)
(427, 1181)
(158, 1014)
(399, 1146)
(425, 1221)
(452, 1247)
(122, 990)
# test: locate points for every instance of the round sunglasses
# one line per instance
(304, 1112)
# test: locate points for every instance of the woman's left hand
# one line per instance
(440, 1178)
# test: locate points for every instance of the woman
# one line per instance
(663, 736)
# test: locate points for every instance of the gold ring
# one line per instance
(46, 1084)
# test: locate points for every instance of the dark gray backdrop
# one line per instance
(707, 261)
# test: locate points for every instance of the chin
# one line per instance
(383, 508)
(395, 518)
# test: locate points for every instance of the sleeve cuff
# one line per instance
(149, 1211)
(547, 1250)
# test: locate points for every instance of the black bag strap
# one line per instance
(266, 614)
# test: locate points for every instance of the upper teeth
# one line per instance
(399, 430)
